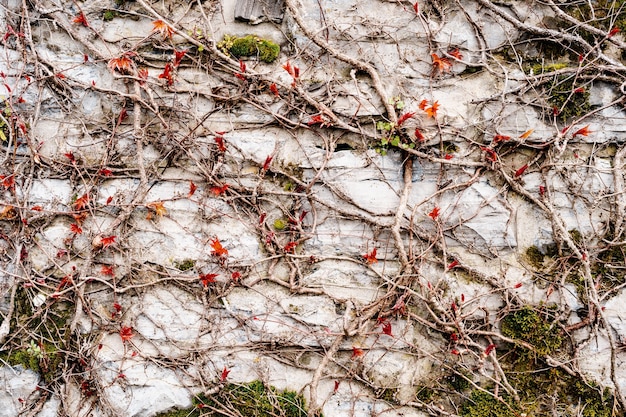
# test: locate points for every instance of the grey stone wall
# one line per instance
(361, 230)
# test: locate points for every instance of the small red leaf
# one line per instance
(290, 247)
(434, 213)
(489, 349)
(207, 279)
(453, 264)
(268, 161)
(416, 7)
(387, 328)
(356, 352)
(521, 170)
(218, 250)
(405, 117)
(192, 189)
(370, 258)
(419, 136)
(74, 228)
(126, 333)
(224, 374)
(108, 241)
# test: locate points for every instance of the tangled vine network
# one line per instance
(363, 207)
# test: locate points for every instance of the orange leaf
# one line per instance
(440, 64)
(81, 19)
(582, 131)
(370, 258)
(218, 250)
(158, 208)
(163, 28)
(526, 134)
(123, 64)
(81, 202)
(423, 104)
(432, 110)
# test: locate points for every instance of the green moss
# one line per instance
(565, 101)
(483, 404)
(109, 15)
(251, 400)
(425, 394)
(601, 14)
(530, 326)
(542, 67)
(185, 265)
(250, 45)
(280, 224)
(576, 236)
(534, 257)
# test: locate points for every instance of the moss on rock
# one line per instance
(250, 45)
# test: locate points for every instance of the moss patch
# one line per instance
(482, 404)
(250, 46)
(530, 326)
(567, 98)
(251, 400)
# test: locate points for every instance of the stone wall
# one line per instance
(411, 210)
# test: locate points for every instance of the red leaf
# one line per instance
(542, 190)
(453, 264)
(81, 19)
(318, 119)
(108, 270)
(579, 90)
(416, 7)
(8, 182)
(219, 140)
(448, 156)
(123, 115)
(462, 298)
(290, 247)
(454, 337)
(419, 136)
(370, 258)
(219, 190)
(242, 66)
(224, 374)
(262, 218)
(108, 241)
(356, 352)
(455, 352)
(521, 170)
(387, 328)
(336, 386)
(267, 163)
(192, 189)
(126, 333)
(434, 213)
(423, 104)
(37, 208)
(207, 279)
(109, 199)
(613, 32)
(456, 53)
(218, 250)
(167, 74)
(518, 285)
(302, 215)
(74, 228)
(70, 156)
(85, 57)
(143, 76)
(105, 172)
(274, 89)
(235, 276)
(178, 56)
(491, 154)
(500, 138)
(405, 117)
(489, 349)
